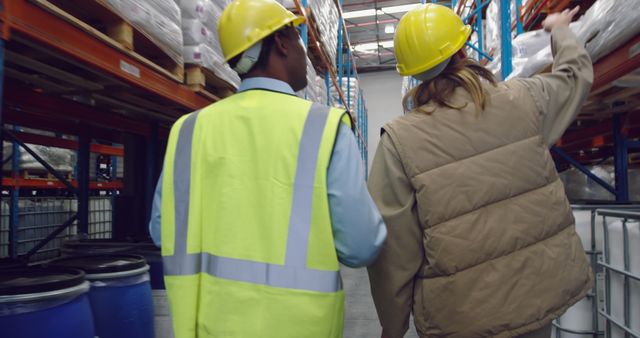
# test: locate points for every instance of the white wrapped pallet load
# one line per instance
(160, 29)
(313, 92)
(194, 32)
(607, 25)
(221, 3)
(350, 91)
(169, 9)
(326, 17)
(321, 85)
(617, 285)
(532, 52)
(62, 160)
(206, 57)
(202, 44)
(604, 27)
(196, 9)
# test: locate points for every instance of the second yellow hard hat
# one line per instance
(427, 36)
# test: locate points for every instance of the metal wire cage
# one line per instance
(611, 236)
(40, 216)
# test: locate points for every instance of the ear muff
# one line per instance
(249, 58)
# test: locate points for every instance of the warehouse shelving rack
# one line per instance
(56, 76)
(59, 78)
(336, 77)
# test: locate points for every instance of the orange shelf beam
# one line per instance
(55, 184)
(20, 16)
(618, 63)
(67, 144)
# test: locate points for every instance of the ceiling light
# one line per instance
(372, 46)
(384, 10)
(359, 14)
(389, 29)
(399, 9)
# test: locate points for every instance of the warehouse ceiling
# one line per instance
(371, 25)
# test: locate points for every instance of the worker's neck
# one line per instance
(268, 74)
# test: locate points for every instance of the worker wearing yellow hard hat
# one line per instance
(426, 38)
(482, 241)
(262, 195)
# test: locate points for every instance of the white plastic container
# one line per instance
(616, 259)
(580, 316)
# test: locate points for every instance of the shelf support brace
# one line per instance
(583, 169)
(52, 235)
(44, 163)
(83, 183)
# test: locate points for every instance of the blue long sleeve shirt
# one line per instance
(358, 228)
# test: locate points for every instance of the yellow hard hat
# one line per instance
(245, 22)
(427, 36)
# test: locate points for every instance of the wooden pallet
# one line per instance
(96, 18)
(205, 81)
(30, 174)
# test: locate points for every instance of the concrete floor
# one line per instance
(361, 320)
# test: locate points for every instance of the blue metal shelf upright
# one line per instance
(335, 76)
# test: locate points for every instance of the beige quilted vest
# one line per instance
(502, 254)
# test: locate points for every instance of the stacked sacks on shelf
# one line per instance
(350, 89)
(604, 27)
(531, 53)
(327, 18)
(607, 25)
(62, 160)
(202, 45)
(315, 91)
(321, 84)
(159, 20)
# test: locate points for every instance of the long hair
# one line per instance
(460, 72)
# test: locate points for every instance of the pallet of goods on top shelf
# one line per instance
(605, 26)
(316, 89)
(206, 69)
(62, 160)
(350, 89)
(326, 19)
(147, 30)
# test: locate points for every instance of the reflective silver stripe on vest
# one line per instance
(300, 220)
(181, 182)
(294, 274)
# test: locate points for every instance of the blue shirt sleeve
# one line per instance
(358, 228)
(154, 223)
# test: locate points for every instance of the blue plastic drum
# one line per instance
(107, 246)
(44, 302)
(152, 254)
(120, 294)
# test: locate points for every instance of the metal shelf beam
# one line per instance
(55, 184)
(25, 18)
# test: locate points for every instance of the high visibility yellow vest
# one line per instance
(247, 241)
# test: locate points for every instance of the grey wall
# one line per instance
(382, 94)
